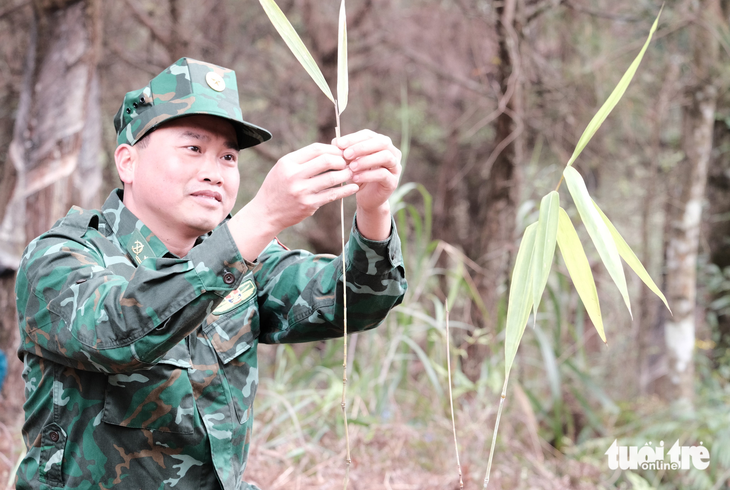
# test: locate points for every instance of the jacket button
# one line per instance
(229, 278)
(53, 436)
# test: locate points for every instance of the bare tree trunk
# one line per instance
(717, 219)
(56, 138)
(650, 334)
(717, 228)
(497, 208)
(685, 218)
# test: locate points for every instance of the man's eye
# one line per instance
(194, 148)
(229, 158)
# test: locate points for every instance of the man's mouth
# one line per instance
(212, 195)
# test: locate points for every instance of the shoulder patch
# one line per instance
(236, 298)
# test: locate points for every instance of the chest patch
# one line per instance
(236, 298)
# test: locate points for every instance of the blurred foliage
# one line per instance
(399, 377)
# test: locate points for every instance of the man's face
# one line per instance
(185, 181)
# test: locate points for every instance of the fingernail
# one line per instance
(353, 166)
(349, 153)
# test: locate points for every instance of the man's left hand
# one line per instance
(376, 166)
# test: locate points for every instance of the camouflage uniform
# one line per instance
(140, 366)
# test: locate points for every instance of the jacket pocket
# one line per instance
(234, 336)
(233, 326)
(160, 398)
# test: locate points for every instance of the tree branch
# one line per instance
(145, 67)
(144, 19)
(598, 13)
(440, 71)
(9, 10)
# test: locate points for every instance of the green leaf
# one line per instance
(297, 47)
(613, 99)
(630, 257)
(520, 298)
(342, 78)
(547, 231)
(580, 270)
(598, 231)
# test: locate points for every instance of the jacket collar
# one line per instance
(133, 235)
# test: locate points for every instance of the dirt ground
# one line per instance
(388, 460)
(395, 456)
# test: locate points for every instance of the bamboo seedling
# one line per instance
(451, 395)
(554, 227)
(302, 54)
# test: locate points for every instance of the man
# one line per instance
(140, 321)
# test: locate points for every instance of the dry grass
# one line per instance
(397, 457)
(394, 456)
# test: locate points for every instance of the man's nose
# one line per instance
(210, 170)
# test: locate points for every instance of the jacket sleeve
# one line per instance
(76, 308)
(300, 294)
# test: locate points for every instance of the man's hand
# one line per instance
(303, 181)
(299, 184)
(375, 166)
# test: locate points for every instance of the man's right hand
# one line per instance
(299, 184)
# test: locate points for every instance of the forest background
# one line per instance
(487, 100)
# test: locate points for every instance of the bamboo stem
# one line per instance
(451, 396)
(561, 181)
(494, 437)
(343, 403)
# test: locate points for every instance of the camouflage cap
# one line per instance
(185, 88)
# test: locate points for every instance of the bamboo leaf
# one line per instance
(598, 231)
(580, 270)
(520, 298)
(613, 99)
(546, 235)
(297, 47)
(631, 259)
(342, 75)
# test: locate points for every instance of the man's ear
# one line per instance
(126, 158)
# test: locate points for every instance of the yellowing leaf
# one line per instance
(613, 99)
(580, 270)
(342, 76)
(297, 47)
(598, 231)
(547, 230)
(520, 298)
(631, 259)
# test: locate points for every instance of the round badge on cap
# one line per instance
(215, 81)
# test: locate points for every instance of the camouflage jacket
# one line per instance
(140, 367)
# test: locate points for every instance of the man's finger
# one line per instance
(310, 152)
(370, 146)
(329, 179)
(353, 138)
(381, 159)
(379, 175)
(321, 164)
(334, 193)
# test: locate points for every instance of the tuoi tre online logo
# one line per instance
(649, 457)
